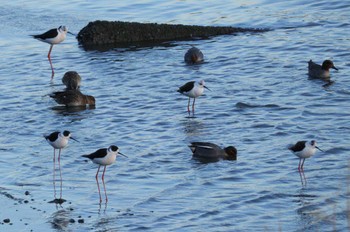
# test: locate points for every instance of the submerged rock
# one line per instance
(119, 34)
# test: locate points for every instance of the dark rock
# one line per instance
(81, 220)
(7, 220)
(59, 201)
(71, 220)
(26, 193)
(124, 34)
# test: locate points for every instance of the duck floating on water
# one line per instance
(193, 56)
(72, 98)
(320, 71)
(71, 80)
(212, 151)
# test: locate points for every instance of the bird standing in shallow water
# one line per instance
(53, 36)
(304, 149)
(192, 89)
(104, 157)
(72, 80)
(193, 56)
(72, 98)
(58, 140)
(318, 71)
(212, 151)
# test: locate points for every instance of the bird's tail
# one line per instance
(192, 147)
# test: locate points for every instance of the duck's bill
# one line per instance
(206, 88)
(74, 139)
(319, 149)
(335, 68)
(122, 154)
(71, 33)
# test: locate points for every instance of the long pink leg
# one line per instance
(59, 156)
(194, 100)
(49, 57)
(299, 164)
(59, 166)
(98, 186)
(54, 174)
(188, 106)
(302, 165)
(103, 181)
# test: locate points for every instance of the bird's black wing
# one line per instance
(298, 146)
(186, 87)
(47, 35)
(53, 136)
(100, 153)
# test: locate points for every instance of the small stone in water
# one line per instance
(7, 220)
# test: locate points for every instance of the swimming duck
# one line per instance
(72, 80)
(318, 71)
(73, 98)
(212, 151)
(193, 56)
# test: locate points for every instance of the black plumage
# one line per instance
(53, 136)
(47, 35)
(299, 146)
(100, 153)
(186, 87)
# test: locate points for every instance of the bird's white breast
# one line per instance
(195, 92)
(307, 152)
(60, 142)
(107, 160)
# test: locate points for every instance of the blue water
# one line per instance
(261, 102)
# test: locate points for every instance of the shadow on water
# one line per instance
(69, 110)
(60, 219)
(57, 200)
(192, 126)
(126, 47)
(303, 179)
(327, 81)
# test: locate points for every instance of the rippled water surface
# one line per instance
(261, 102)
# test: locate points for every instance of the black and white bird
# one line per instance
(304, 149)
(58, 140)
(192, 89)
(104, 157)
(193, 56)
(318, 71)
(73, 98)
(52, 37)
(212, 151)
(71, 80)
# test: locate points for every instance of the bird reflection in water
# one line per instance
(302, 178)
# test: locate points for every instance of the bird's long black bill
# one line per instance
(319, 149)
(335, 68)
(206, 88)
(71, 33)
(74, 139)
(122, 154)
